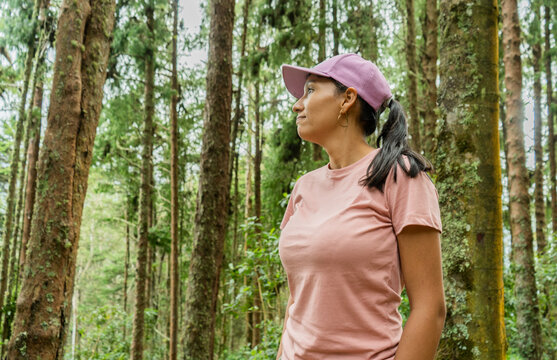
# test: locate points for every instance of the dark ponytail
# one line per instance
(395, 144)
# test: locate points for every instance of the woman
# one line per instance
(359, 229)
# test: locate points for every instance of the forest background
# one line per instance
(126, 237)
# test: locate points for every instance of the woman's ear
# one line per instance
(350, 97)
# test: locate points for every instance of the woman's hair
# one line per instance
(395, 144)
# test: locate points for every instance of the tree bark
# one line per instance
(414, 121)
(373, 51)
(43, 306)
(469, 181)
(213, 194)
(335, 28)
(321, 41)
(429, 62)
(550, 118)
(145, 195)
(527, 309)
(248, 211)
(238, 115)
(538, 146)
(126, 267)
(33, 156)
(256, 339)
(174, 280)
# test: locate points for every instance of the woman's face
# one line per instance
(318, 110)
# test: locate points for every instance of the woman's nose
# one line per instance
(297, 106)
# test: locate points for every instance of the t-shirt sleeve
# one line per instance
(290, 208)
(412, 201)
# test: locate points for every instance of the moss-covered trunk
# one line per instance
(469, 181)
(145, 194)
(213, 193)
(527, 311)
(43, 306)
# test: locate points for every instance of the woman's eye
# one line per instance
(310, 89)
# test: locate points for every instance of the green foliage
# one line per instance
(261, 260)
(101, 334)
(266, 350)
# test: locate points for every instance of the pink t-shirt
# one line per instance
(339, 248)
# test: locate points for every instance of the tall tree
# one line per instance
(321, 55)
(414, 125)
(469, 180)
(373, 50)
(550, 117)
(429, 64)
(535, 40)
(258, 304)
(174, 279)
(335, 27)
(527, 310)
(11, 196)
(145, 194)
(212, 201)
(43, 306)
(33, 156)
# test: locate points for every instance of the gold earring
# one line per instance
(338, 118)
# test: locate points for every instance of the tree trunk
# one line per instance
(335, 27)
(538, 147)
(429, 62)
(43, 306)
(126, 267)
(248, 211)
(13, 276)
(256, 339)
(527, 310)
(414, 121)
(174, 279)
(145, 195)
(33, 156)
(550, 119)
(212, 202)
(321, 41)
(372, 51)
(236, 135)
(11, 196)
(469, 181)
(238, 115)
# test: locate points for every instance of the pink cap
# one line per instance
(351, 70)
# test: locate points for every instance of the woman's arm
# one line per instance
(290, 301)
(420, 257)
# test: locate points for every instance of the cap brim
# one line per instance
(295, 78)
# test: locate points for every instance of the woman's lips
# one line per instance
(299, 118)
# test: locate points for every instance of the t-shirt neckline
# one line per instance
(338, 173)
